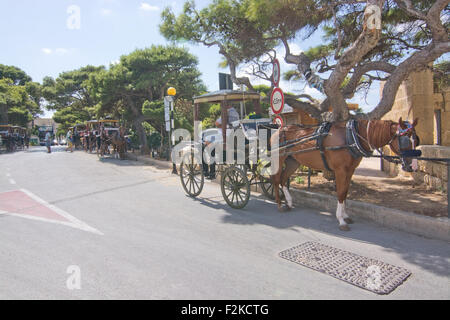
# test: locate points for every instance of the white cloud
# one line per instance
(57, 51)
(61, 51)
(106, 12)
(148, 7)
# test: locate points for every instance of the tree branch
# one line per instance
(417, 61)
(366, 41)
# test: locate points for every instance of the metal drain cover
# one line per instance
(366, 273)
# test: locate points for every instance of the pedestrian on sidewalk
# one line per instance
(69, 139)
(48, 141)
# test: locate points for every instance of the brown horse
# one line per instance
(372, 135)
(119, 142)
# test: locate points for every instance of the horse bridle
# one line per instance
(405, 142)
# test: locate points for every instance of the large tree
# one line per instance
(136, 86)
(70, 97)
(364, 42)
(19, 97)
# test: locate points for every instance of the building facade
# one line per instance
(420, 97)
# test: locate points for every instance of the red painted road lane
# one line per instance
(19, 202)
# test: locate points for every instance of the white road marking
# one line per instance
(73, 222)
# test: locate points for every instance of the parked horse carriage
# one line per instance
(112, 140)
(92, 136)
(19, 136)
(245, 170)
(7, 140)
(337, 147)
(79, 132)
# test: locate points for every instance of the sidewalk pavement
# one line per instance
(435, 228)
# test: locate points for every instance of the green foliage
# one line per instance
(19, 116)
(245, 31)
(16, 107)
(154, 140)
(70, 97)
(442, 75)
(299, 180)
(16, 75)
(135, 88)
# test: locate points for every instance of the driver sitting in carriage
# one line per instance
(233, 116)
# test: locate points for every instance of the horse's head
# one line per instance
(404, 143)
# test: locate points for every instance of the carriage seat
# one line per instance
(251, 127)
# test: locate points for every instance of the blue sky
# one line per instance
(36, 37)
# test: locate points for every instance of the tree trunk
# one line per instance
(142, 136)
(3, 115)
(137, 122)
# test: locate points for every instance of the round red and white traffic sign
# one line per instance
(279, 121)
(277, 100)
(276, 76)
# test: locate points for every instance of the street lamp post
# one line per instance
(170, 122)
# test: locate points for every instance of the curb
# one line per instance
(434, 228)
(146, 159)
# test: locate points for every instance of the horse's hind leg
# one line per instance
(290, 168)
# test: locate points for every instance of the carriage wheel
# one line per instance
(268, 190)
(235, 187)
(191, 176)
(267, 186)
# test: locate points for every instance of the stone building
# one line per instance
(420, 97)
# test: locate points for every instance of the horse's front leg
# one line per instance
(276, 189)
(343, 179)
(291, 166)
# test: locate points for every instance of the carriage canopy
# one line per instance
(227, 97)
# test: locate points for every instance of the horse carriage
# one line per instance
(91, 141)
(242, 169)
(336, 147)
(111, 139)
(6, 136)
(79, 131)
(13, 137)
(19, 135)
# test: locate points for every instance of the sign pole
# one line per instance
(170, 123)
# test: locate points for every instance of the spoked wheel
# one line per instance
(235, 187)
(268, 190)
(267, 185)
(192, 176)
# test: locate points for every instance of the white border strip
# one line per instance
(73, 222)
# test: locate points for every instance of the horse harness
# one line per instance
(353, 142)
(319, 135)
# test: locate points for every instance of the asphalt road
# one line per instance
(121, 230)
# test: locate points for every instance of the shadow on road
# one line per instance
(427, 255)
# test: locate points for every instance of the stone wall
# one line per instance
(433, 174)
(416, 98)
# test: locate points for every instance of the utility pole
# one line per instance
(170, 121)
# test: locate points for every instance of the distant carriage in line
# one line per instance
(6, 135)
(13, 137)
(106, 136)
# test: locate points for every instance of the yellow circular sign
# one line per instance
(171, 91)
